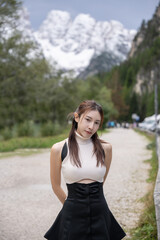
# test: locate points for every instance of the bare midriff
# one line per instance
(86, 181)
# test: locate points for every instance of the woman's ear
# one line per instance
(76, 116)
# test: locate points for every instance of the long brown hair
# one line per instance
(87, 105)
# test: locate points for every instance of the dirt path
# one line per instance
(28, 206)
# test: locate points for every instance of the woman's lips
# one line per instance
(88, 132)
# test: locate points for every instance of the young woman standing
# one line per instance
(84, 160)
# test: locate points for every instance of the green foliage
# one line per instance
(94, 89)
(150, 55)
(130, 77)
(150, 104)
(50, 128)
(25, 129)
(147, 228)
(104, 98)
(35, 142)
(6, 133)
(125, 75)
(134, 105)
(8, 11)
(31, 91)
(32, 142)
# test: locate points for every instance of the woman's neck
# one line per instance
(82, 140)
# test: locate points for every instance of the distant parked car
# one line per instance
(151, 126)
(149, 123)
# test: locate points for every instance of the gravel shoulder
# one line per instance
(29, 206)
(126, 182)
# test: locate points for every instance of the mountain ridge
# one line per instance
(72, 45)
(145, 40)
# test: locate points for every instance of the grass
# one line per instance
(147, 228)
(32, 143)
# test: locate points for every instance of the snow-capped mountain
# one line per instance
(73, 44)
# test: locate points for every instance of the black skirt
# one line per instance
(85, 216)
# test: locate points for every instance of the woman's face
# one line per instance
(88, 123)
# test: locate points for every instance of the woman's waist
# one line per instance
(86, 180)
(85, 190)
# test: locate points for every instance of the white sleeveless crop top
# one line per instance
(89, 170)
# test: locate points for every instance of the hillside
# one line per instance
(31, 92)
(132, 83)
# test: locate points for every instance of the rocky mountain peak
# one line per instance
(73, 43)
(157, 12)
(54, 27)
(148, 31)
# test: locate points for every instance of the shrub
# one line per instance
(6, 133)
(25, 129)
(49, 128)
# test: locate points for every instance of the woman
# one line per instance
(85, 161)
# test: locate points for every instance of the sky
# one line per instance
(129, 12)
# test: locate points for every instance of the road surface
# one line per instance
(28, 205)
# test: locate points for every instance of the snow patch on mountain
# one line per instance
(73, 43)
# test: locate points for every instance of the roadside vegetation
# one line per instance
(31, 142)
(147, 228)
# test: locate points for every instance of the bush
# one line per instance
(50, 128)
(25, 129)
(6, 133)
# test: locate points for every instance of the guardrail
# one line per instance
(157, 191)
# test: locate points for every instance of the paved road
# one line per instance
(28, 206)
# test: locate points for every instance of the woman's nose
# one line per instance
(91, 125)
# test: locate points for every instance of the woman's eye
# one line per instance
(87, 119)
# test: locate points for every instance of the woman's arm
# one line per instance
(55, 171)
(108, 158)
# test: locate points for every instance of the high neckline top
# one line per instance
(82, 140)
(88, 169)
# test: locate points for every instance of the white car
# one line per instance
(149, 123)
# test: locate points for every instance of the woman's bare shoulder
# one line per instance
(57, 147)
(106, 145)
